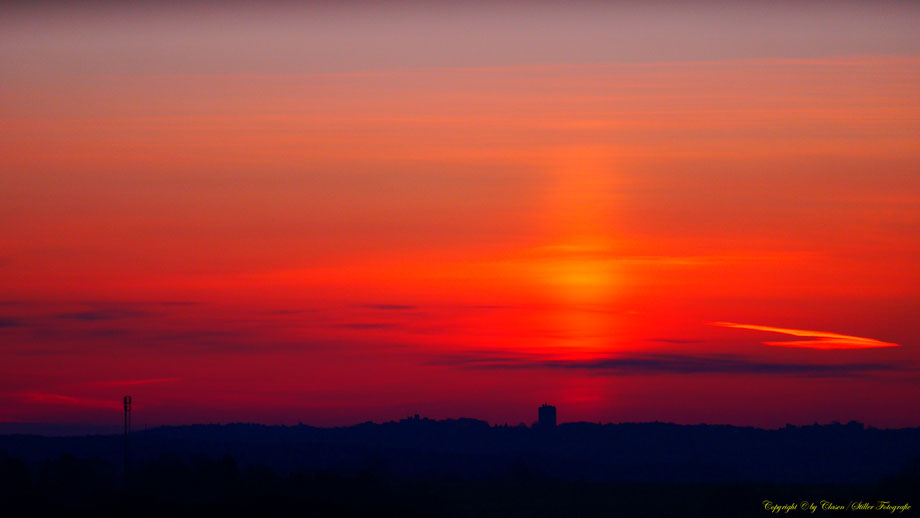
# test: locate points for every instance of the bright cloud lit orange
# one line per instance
(821, 339)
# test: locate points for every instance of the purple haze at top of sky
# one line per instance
(266, 38)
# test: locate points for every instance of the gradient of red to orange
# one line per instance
(293, 239)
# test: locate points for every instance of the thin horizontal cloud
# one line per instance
(365, 325)
(122, 310)
(10, 322)
(284, 312)
(483, 358)
(61, 399)
(141, 303)
(131, 383)
(103, 314)
(208, 334)
(390, 307)
(649, 364)
(818, 339)
(681, 364)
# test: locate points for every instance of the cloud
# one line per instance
(647, 364)
(820, 339)
(102, 315)
(488, 359)
(284, 312)
(681, 364)
(60, 399)
(9, 322)
(674, 341)
(365, 325)
(389, 307)
(122, 310)
(142, 303)
(131, 383)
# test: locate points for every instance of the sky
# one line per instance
(280, 213)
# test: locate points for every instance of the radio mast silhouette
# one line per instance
(127, 402)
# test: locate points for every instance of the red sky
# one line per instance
(684, 212)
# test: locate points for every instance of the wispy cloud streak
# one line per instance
(60, 399)
(818, 339)
(389, 307)
(131, 383)
(651, 364)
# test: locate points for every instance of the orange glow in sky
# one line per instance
(305, 224)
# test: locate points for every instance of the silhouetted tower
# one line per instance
(547, 417)
(127, 402)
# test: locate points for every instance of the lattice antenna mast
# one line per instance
(127, 402)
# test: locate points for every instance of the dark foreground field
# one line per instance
(207, 487)
(68, 486)
(463, 468)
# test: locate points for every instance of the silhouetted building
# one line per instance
(547, 417)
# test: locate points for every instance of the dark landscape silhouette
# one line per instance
(459, 467)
